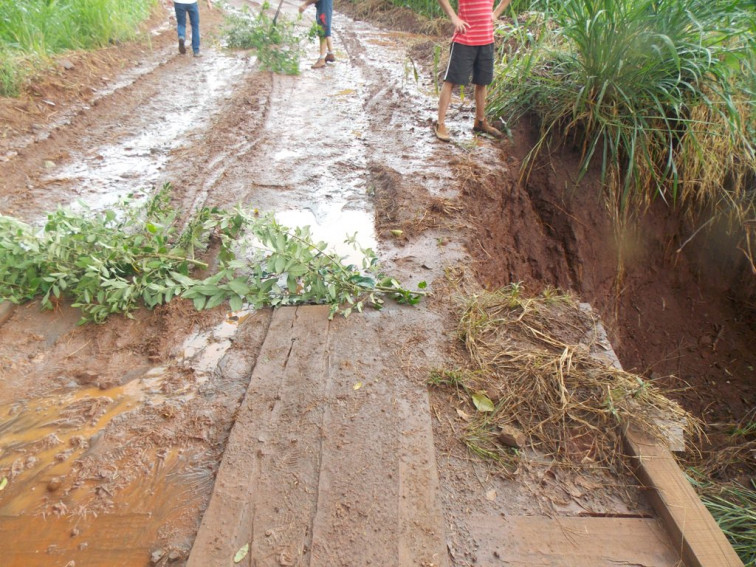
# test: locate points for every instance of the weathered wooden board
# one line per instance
(331, 459)
(690, 525)
(572, 542)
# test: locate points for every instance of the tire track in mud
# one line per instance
(121, 143)
(212, 160)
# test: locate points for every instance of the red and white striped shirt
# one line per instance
(477, 13)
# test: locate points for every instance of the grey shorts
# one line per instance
(466, 60)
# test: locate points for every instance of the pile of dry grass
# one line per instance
(534, 369)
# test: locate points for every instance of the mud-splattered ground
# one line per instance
(130, 418)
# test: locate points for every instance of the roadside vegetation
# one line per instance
(658, 94)
(278, 44)
(122, 259)
(32, 31)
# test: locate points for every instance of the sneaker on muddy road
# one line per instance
(182, 47)
(330, 57)
(319, 64)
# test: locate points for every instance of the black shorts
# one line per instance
(466, 60)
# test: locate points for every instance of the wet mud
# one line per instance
(112, 434)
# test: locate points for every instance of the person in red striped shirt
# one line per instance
(471, 53)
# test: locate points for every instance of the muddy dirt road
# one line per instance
(112, 435)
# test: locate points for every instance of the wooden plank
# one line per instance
(571, 541)
(690, 525)
(377, 500)
(331, 460)
(296, 338)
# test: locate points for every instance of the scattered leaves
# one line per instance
(482, 402)
(242, 553)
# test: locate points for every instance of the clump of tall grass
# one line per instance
(660, 93)
(41, 29)
(278, 46)
(733, 506)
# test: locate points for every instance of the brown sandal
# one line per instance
(483, 127)
(442, 135)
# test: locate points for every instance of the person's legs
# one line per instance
(193, 10)
(323, 15)
(443, 105)
(329, 47)
(321, 62)
(480, 102)
(458, 71)
(180, 10)
(482, 77)
(323, 46)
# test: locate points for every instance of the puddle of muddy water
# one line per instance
(333, 226)
(111, 515)
(110, 172)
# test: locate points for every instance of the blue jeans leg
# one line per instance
(193, 10)
(180, 19)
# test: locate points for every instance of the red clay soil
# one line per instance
(685, 319)
(684, 312)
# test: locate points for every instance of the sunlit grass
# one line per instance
(31, 30)
(658, 93)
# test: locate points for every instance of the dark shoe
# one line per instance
(330, 58)
(441, 132)
(197, 54)
(483, 127)
(319, 64)
(182, 47)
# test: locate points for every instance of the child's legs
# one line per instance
(482, 77)
(323, 46)
(480, 102)
(193, 10)
(461, 60)
(180, 19)
(444, 100)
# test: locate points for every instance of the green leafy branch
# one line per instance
(278, 46)
(134, 255)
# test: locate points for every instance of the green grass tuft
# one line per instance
(657, 93)
(32, 30)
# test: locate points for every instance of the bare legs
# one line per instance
(481, 125)
(443, 105)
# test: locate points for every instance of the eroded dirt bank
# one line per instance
(683, 312)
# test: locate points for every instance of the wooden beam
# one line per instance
(692, 528)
